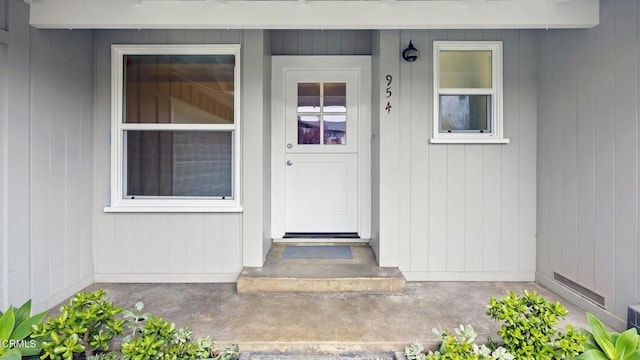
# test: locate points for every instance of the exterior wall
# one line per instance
(266, 140)
(46, 141)
(159, 247)
(320, 42)
(4, 241)
(588, 165)
(456, 212)
(375, 143)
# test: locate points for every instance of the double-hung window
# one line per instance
(467, 92)
(175, 133)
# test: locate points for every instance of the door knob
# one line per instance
(289, 162)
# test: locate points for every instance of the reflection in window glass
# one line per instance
(465, 113)
(180, 89)
(465, 69)
(308, 129)
(335, 129)
(179, 163)
(308, 97)
(335, 97)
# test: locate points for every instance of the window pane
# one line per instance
(179, 163)
(182, 89)
(460, 113)
(308, 129)
(335, 129)
(335, 97)
(465, 69)
(308, 97)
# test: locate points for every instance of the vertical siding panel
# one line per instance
(159, 36)
(319, 43)
(159, 253)
(511, 153)
(74, 61)
(605, 154)
(544, 82)
(405, 107)
(40, 165)
(569, 153)
(555, 164)
(437, 186)
(348, 42)
(421, 115)
(456, 216)
(334, 44)
(211, 36)
(290, 43)
(586, 159)
(141, 37)
(277, 42)
(194, 36)
(124, 226)
(141, 243)
(626, 154)
(363, 42)
(177, 243)
(305, 42)
(86, 76)
(231, 244)
(528, 140)
(176, 36)
(58, 179)
(195, 244)
(213, 243)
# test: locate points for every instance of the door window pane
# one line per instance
(180, 89)
(335, 129)
(179, 163)
(308, 129)
(465, 69)
(465, 113)
(335, 97)
(309, 97)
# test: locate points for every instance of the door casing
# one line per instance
(280, 66)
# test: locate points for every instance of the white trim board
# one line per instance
(166, 278)
(468, 276)
(332, 14)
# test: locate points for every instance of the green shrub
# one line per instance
(529, 327)
(85, 325)
(15, 332)
(604, 345)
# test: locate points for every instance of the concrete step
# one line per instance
(360, 274)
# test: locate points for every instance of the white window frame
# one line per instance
(119, 203)
(496, 135)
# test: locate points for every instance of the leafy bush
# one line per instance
(459, 346)
(604, 345)
(529, 327)
(85, 325)
(15, 332)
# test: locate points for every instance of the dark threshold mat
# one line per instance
(317, 252)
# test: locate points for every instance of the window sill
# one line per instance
(469, 141)
(171, 209)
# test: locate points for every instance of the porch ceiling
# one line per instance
(314, 14)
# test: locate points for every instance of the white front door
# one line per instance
(322, 169)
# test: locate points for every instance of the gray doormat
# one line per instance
(317, 252)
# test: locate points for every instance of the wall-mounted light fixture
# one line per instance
(410, 54)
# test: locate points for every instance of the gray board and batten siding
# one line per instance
(465, 212)
(46, 148)
(588, 167)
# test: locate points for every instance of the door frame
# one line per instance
(280, 66)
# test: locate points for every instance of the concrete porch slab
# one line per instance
(324, 322)
(359, 274)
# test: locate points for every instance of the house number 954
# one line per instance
(388, 93)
